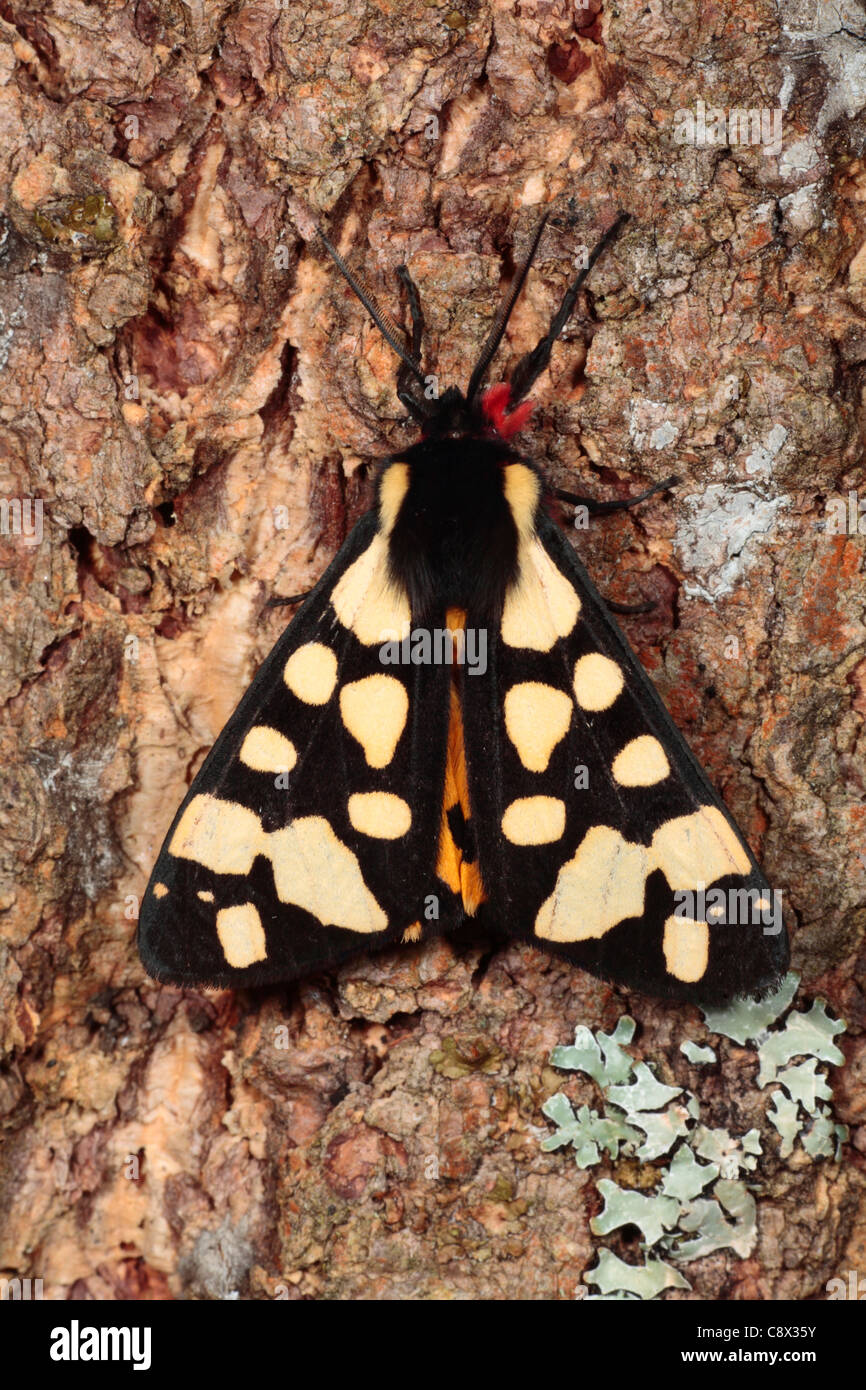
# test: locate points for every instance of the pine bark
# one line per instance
(196, 401)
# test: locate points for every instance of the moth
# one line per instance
(453, 727)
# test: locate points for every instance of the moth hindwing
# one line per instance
(454, 727)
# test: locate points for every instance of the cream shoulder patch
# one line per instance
(392, 491)
(367, 602)
(522, 489)
(541, 606)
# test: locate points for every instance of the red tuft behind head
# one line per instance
(494, 404)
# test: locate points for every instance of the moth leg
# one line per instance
(280, 601)
(619, 504)
(646, 607)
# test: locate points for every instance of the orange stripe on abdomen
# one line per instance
(461, 874)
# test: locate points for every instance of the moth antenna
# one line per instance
(419, 410)
(383, 321)
(530, 367)
(500, 323)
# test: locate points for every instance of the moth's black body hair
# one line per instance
(454, 544)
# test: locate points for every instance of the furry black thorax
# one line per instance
(454, 543)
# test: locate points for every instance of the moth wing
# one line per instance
(597, 829)
(311, 830)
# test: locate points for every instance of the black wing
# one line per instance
(312, 829)
(598, 833)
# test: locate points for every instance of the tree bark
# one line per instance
(195, 400)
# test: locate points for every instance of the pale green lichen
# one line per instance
(652, 1215)
(644, 1093)
(612, 1274)
(746, 1019)
(587, 1131)
(824, 1139)
(662, 1131)
(705, 1218)
(602, 1059)
(729, 1153)
(696, 1054)
(804, 1035)
(804, 1085)
(784, 1116)
(686, 1178)
(644, 1118)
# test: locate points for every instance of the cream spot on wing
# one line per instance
(311, 673)
(314, 870)
(206, 895)
(537, 716)
(597, 681)
(534, 820)
(366, 601)
(602, 884)
(220, 835)
(641, 763)
(266, 750)
(380, 814)
(412, 933)
(160, 890)
(695, 850)
(522, 491)
(374, 711)
(541, 605)
(687, 948)
(241, 935)
(392, 490)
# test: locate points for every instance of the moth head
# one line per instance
(488, 416)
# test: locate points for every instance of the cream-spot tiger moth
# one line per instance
(365, 792)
